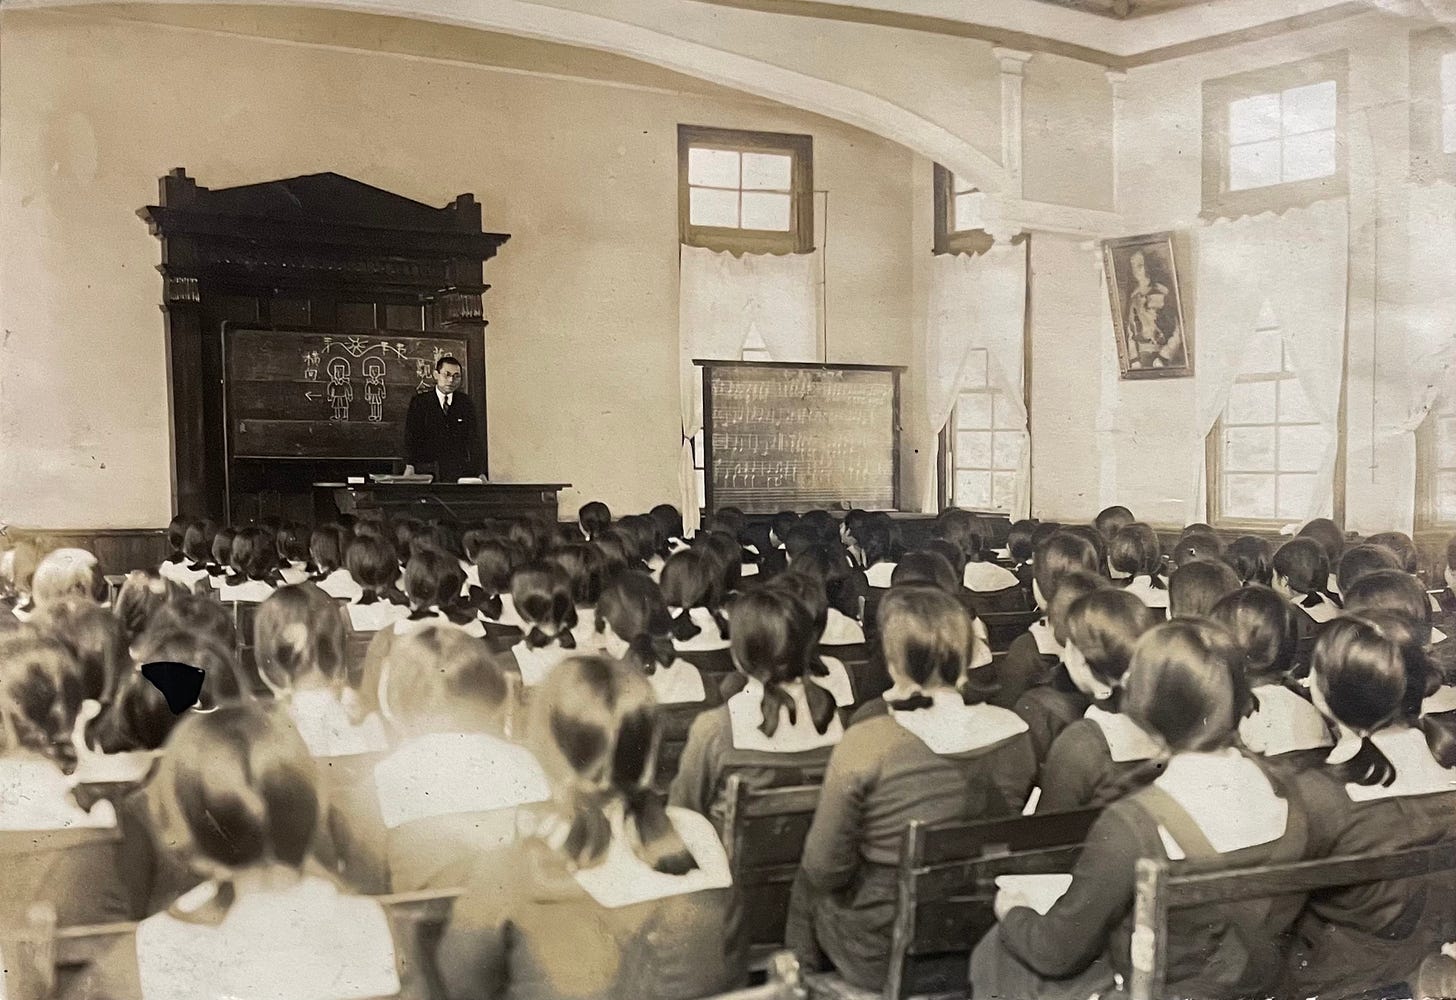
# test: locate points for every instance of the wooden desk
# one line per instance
(454, 501)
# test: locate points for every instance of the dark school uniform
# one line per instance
(946, 762)
(1028, 662)
(1049, 708)
(1091, 758)
(1286, 728)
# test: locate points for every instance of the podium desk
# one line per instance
(453, 501)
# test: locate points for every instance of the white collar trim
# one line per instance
(1228, 796)
(1126, 740)
(745, 714)
(623, 879)
(1416, 771)
(1046, 642)
(950, 726)
(1444, 700)
(442, 774)
(1284, 723)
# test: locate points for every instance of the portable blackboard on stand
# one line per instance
(783, 436)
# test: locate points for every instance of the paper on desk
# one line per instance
(1039, 891)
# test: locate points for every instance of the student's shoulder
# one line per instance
(1078, 742)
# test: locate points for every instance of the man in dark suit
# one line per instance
(440, 428)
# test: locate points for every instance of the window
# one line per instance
(754, 349)
(1433, 104)
(1274, 138)
(1266, 449)
(745, 191)
(1436, 466)
(957, 217)
(983, 447)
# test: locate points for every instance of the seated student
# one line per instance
(97, 642)
(585, 574)
(542, 596)
(1135, 553)
(1057, 701)
(493, 561)
(1196, 586)
(1389, 785)
(138, 600)
(1110, 520)
(298, 639)
(1331, 540)
(1251, 558)
(1301, 574)
(668, 523)
(40, 693)
(222, 556)
(609, 894)
(176, 535)
(825, 669)
(776, 560)
(454, 784)
(727, 555)
(1197, 543)
(781, 725)
(933, 758)
(829, 567)
(67, 574)
(874, 537)
(254, 566)
(328, 547)
(1360, 561)
(1399, 592)
(196, 555)
(1211, 807)
(380, 603)
(692, 586)
(432, 582)
(928, 568)
(1020, 551)
(1279, 720)
(244, 790)
(636, 629)
(1093, 757)
(1032, 656)
(1401, 546)
(979, 575)
(593, 518)
(291, 542)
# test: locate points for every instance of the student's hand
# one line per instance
(1008, 900)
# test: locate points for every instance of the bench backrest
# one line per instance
(764, 831)
(1003, 627)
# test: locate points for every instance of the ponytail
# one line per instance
(1314, 598)
(1140, 775)
(486, 603)
(537, 639)
(1156, 582)
(1369, 766)
(1440, 738)
(683, 626)
(721, 620)
(651, 652)
(820, 701)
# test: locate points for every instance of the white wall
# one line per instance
(583, 332)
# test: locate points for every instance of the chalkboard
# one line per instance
(310, 395)
(796, 437)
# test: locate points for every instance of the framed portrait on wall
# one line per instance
(1147, 309)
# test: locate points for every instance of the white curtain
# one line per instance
(1297, 263)
(977, 303)
(721, 299)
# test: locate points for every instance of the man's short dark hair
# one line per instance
(448, 359)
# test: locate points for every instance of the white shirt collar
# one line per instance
(841, 630)
(1046, 642)
(678, 683)
(745, 714)
(709, 637)
(1284, 723)
(1443, 700)
(1228, 796)
(1126, 740)
(950, 726)
(443, 774)
(1416, 771)
(1142, 588)
(879, 575)
(621, 878)
(441, 397)
(35, 795)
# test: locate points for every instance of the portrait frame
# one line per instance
(1152, 335)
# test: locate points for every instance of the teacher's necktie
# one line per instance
(446, 408)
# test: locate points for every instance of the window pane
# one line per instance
(1249, 449)
(1446, 442)
(1248, 496)
(1005, 415)
(1310, 108)
(713, 167)
(1006, 452)
(1294, 404)
(767, 171)
(702, 486)
(1301, 448)
(966, 213)
(975, 370)
(1263, 356)
(973, 411)
(1253, 119)
(1448, 129)
(1250, 403)
(1307, 156)
(709, 207)
(972, 489)
(1446, 496)
(1254, 165)
(1003, 490)
(766, 211)
(1294, 496)
(973, 449)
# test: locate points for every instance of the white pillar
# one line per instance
(1013, 66)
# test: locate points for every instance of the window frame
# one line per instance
(1428, 474)
(799, 238)
(946, 448)
(1218, 94)
(1429, 161)
(948, 240)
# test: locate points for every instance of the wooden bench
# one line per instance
(1160, 888)
(764, 833)
(1004, 627)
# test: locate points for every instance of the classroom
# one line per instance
(735, 499)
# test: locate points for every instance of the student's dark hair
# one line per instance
(927, 568)
(829, 564)
(1182, 685)
(95, 639)
(530, 535)
(594, 518)
(1111, 520)
(197, 542)
(439, 679)
(1391, 590)
(823, 523)
(1018, 542)
(875, 537)
(727, 554)
(616, 553)
(196, 615)
(632, 606)
(1360, 561)
(1071, 588)
(950, 552)
(137, 718)
(1263, 627)
(541, 592)
(141, 595)
(926, 636)
(327, 547)
(802, 537)
(297, 631)
(40, 694)
(810, 592)
(1105, 625)
(225, 682)
(668, 520)
(405, 529)
(585, 570)
(731, 519)
(1099, 544)
(965, 531)
(373, 565)
(1358, 667)
(1328, 535)
(245, 786)
(597, 735)
(782, 522)
(494, 560)
(645, 539)
(222, 547)
(447, 359)
(292, 542)
(1304, 564)
(774, 642)
(1059, 554)
(177, 533)
(254, 556)
(433, 579)
(1195, 587)
(1197, 545)
(1400, 545)
(1135, 550)
(693, 579)
(1251, 558)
